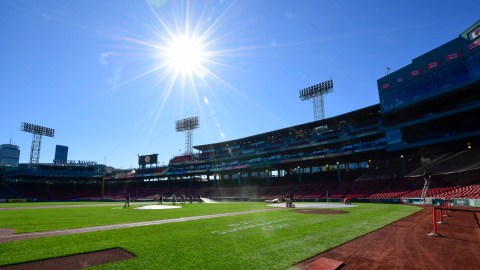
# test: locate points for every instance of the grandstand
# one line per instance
(427, 119)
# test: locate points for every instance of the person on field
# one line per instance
(199, 198)
(174, 199)
(289, 200)
(191, 198)
(160, 199)
(127, 201)
(182, 198)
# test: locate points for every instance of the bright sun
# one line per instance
(186, 49)
(185, 56)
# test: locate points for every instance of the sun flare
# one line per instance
(186, 56)
(187, 52)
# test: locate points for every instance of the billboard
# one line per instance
(147, 159)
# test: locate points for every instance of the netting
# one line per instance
(466, 160)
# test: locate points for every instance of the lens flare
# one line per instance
(188, 52)
(185, 55)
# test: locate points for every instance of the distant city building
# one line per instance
(61, 153)
(9, 154)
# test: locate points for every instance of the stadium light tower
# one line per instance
(38, 132)
(316, 93)
(187, 125)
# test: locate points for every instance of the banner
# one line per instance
(461, 202)
(474, 203)
(453, 56)
(473, 45)
(433, 65)
(415, 72)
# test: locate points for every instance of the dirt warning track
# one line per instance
(405, 245)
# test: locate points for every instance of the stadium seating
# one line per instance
(375, 182)
(180, 159)
(471, 192)
(374, 189)
(432, 192)
(7, 192)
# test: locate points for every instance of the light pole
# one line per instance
(187, 125)
(317, 93)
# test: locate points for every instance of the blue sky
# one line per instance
(94, 70)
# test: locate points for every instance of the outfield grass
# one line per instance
(266, 240)
(35, 204)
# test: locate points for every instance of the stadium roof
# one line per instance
(465, 33)
(303, 129)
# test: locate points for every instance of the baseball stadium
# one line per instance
(393, 185)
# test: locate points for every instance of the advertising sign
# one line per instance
(452, 56)
(415, 72)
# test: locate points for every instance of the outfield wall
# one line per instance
(466, 202)
(453, 202)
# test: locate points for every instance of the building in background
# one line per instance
(9, 155)
(61, 153)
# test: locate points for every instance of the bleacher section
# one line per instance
(393, 188)
(471, 191)
(455, 174)
(180, 159)
(7, 192)
(311, 188)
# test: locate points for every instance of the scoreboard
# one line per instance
(147, 159)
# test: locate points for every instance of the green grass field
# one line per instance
(264, 240)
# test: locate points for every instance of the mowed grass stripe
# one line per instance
(47, 219)
(266, 240)
(14, 237)
(20, 205)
